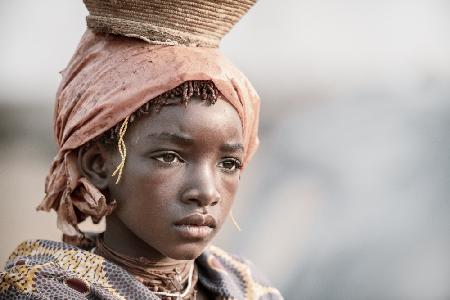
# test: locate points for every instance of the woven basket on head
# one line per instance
(200, 23)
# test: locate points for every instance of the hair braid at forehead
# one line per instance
(182, 94)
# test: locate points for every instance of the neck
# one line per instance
(121, 239)
(170, 279)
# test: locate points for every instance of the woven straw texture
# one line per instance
(199, 23)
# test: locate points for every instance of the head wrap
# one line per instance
(108, 78)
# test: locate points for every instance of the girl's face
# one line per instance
(179, 181)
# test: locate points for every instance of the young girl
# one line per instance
(155, 138)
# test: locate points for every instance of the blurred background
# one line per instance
(348, 196)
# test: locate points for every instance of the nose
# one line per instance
(201, 188)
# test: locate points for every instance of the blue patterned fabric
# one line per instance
(41, 269)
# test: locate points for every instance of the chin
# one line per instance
(186, 252)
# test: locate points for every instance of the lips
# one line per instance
(198, 220)
(196, 226)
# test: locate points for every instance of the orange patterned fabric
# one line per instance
(40, 269)
(107, 79)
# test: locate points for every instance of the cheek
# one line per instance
(229, 186)
(144, 188)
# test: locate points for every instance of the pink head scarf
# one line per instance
(107, 79)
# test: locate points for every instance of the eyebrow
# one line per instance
(173, 137)
(232, 147)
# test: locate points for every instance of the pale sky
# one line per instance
(330, 44)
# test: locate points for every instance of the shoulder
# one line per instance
(233, 276)
(49, 269)
(38, 255)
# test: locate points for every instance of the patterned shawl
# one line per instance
(40, 269)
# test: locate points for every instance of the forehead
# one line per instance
(197, 119)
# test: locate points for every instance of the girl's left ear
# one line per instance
(92, 163)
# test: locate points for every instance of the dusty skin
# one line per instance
(182, 162)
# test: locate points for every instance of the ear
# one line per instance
(92, 163)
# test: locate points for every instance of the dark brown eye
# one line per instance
(230, 164)
(168, 158)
